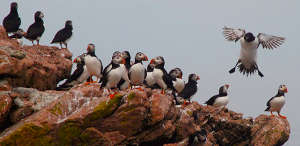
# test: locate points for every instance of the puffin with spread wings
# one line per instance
(249, 43)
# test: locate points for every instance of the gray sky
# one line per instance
(189, 35)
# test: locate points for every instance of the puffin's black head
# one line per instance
(118, 59)
(176, 73)
(39, 14)
(91, 48)
(68, 24)
(158, 61)
(249, 37)
(194, 77)
(140, 57)
(150, 67)
(223, 89)
(126, 55)
(116, 53)
(282, 89)
(13, 6)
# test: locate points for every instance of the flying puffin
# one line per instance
(64, 35)
(220, 100)
(249, 43)
(276, 103)
(160, 75)
(93, 64)
(122, 85)
(137, 72)
(18, 36)
(12, 21)
(190, 89)
(36, 30)
(78, 76)
(150, 81)
(112, 77)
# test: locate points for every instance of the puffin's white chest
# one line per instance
(149, 79)
(137, 73)
(158, 77)
(178, 84)
(114, 77)
(221, 101)
(277, 103)
(248, 50)
(93, 65)
(84, 76)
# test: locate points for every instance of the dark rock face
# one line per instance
(33, 114)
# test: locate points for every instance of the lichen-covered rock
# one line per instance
(39, 67)
(85, 115)
(5, 106)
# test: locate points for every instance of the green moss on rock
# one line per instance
(68, 133)
(131, 96)
(56, 110)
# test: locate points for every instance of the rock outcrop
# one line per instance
(39, 67)
(33, 114)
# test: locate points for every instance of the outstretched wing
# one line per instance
(269, 41)
(232, 34)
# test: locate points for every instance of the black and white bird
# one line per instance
(112, 77)
(220, 100)
(160, 75)
(79, 76)
(36, 30)
(189, 90)
(64, 35)
(93, 64)
(178, 82)
(123, 84)
(12, 21)
(150, 81)
(249, 43)
(137, 72)
(277, 102)
(109, 66)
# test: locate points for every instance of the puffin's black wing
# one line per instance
(212, 100)
(61, 36)
(167, 79)
(35, 30)
(269, 102)
(188, 91)
(107, 68)
(11, 23)
(104, 79)
(145, 74)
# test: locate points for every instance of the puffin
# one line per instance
(108, 67)
(160, 75)
(277, 102)
(137, 72)
(178, 82)
(79, 76)
(122, 85)
(220, 100)
(36, 30)
(247, 63)
(112, 77)
(12, 21)
(189, 90)
(93, 64)
(150, 81)
(64, 35)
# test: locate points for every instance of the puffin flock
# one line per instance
(121, 73)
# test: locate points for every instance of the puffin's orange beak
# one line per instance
(152, 61)
(227, 86)
(123, 61)
(145, 58)
(198, 77)
(75, 60)
(180, 76)
(286, 90)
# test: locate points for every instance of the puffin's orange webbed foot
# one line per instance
(140, 88)
(87, 83)
(281, 116)
(162, 92)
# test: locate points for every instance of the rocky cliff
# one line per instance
(33, 114)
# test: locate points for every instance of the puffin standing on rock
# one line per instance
(93, 64)
(220, 100)
(160, 75)
(249, 43)
(36, 30)
(78, 76)
(178, 82)
(150, 81)
(137, 72)
(189, 90)
(277, 102)
(122, 85)
(112, 77)
(12, 21)
(64, 35)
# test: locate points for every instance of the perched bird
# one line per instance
(12, 21)
(150, 81)
(190, 89)
(112, 77)
(137, 72)
(79, 76)
(108, 67)
(122, 85)
(178, 82)
(249, 43)
(276, 103)
(18, 36)
(36, 30)
(64, 35)
(93, 64)
(220, 100)
(160, 75)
